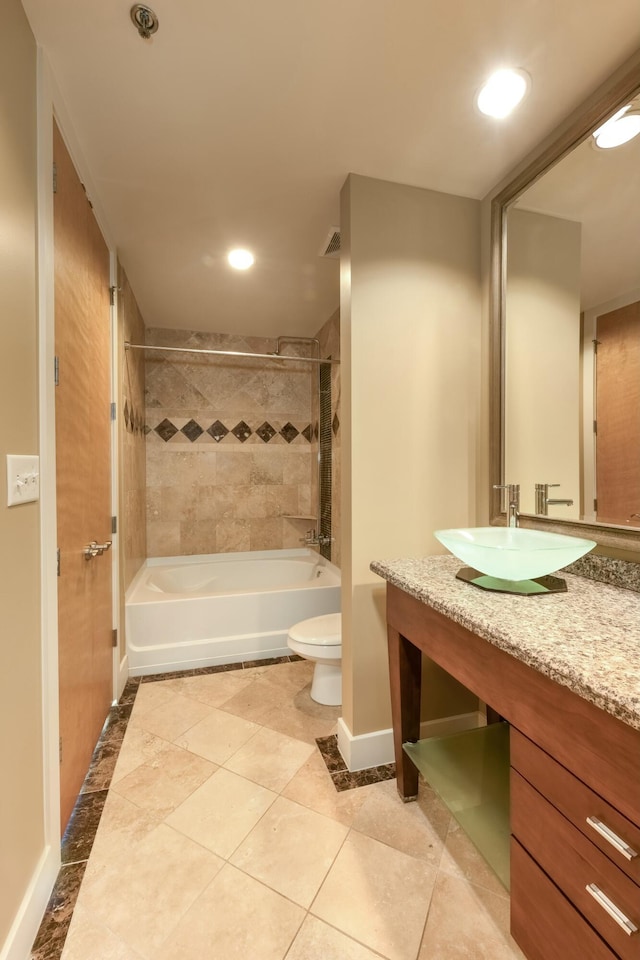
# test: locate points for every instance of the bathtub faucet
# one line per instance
(313, 539)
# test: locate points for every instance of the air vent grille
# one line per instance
(331, 246)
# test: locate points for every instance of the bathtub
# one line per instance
(187, 612)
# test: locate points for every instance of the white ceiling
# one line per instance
(238, 123)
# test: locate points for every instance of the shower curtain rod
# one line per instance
(226, 353)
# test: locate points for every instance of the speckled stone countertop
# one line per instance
(587, 639)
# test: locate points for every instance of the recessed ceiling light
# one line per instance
(620, 128)
(241, 259)
(502, 92)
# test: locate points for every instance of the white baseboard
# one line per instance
(376, 748)
(25, 926)
(122, 675)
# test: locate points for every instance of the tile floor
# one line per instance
(224, 835)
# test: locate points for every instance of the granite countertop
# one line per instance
(587, 639)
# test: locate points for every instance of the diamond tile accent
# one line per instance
(147, 429)
(307, 433)
(218, 431)
(242, 431)
(289, 432)
(335, 424)
(166, 430)
(192, 430)
(125, 414)
(266, 432)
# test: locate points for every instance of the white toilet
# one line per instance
(320, 639)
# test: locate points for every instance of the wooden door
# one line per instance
(618, 416)
(82, 338)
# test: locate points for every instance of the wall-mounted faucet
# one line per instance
(543, 502)
(513, 501)
(313, 539)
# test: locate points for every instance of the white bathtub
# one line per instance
(188, 612)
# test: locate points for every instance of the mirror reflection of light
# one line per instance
(241, 259)
(502, 92)
(620, 128)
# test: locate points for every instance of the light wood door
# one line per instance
(82, 338)
(618, 416)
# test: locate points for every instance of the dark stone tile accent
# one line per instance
(81, 830)
(192, 430)
(128, 695)
(335, 424)
(265, 431)
(242, 431)
(269, 661)
(294, 658)
(289, 432)
(342, 778)
(328, 747)
(103, 763)
(199, 672)
(125, 415)
(55, 923)
(217, 431)
(166, 430)
(147, 429)
(307, 433)
(116, 725)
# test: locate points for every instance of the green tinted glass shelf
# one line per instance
(470, 772)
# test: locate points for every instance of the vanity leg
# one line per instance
(405, 669)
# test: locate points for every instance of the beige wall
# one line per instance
(205, 496)
(410, 341)
(21, 748)
(132, 480)
(542, 359)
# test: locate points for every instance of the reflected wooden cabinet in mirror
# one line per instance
(565, 328)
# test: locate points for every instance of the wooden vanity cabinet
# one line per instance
(570, 761)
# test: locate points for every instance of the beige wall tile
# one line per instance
(233, 536)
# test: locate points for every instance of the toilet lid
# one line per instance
(325, 630)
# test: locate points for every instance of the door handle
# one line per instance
(95, 549)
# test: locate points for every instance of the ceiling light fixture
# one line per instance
(620, 128)
(502, 92)
(145, 20)
(241, 259)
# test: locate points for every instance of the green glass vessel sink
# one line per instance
(513, 553)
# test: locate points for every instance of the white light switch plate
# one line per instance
(23, 479)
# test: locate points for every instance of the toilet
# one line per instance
(320, 639)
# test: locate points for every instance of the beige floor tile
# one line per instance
(122, 825)
(137, 748)
(236, 918)
(214, 689)
(313, 787)
(142, 901)
(467, 922)
(461, 858)
(172, 717)
(317, 941)
(418, 829)
(149, 697)
(291, 850)
(221, 812)
(162, 783)
(257, 700)
(378, 896)
(301, 717)
(218, 736)
(88, 938)
(270, 759)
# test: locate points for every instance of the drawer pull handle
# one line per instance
(610, 907)
(628, 852)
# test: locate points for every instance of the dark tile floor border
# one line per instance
(82, 828)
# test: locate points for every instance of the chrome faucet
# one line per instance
(543, 502)
(313, 539)
(513, 502)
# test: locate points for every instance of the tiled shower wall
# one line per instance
(329, 338)
(229, 446)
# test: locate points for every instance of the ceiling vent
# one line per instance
(331, 246)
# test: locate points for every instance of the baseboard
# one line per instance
(122, 675)
(25, 926)
(376, 748)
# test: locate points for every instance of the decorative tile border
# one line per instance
(344, 779)
(166, 429)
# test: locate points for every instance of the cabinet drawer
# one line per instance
(543, 922)
(574, 863)
(592, 815)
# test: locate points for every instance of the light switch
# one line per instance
(23, 479)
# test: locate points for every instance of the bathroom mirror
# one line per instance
(565, 328)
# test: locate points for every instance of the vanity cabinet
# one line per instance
(574, 779)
